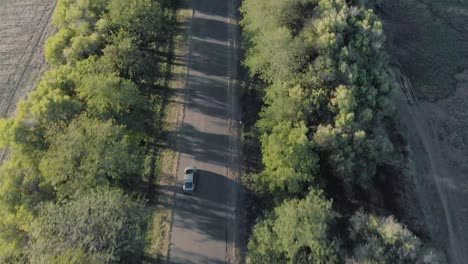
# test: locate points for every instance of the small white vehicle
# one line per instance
(190, 179)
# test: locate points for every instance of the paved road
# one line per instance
(203, 223)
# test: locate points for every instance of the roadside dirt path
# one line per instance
(24, 27)
(428, 41)
(438, 142)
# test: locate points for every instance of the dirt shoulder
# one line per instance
(167, 158)
(436, 134)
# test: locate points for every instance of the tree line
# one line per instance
(321, 129)
(79, 144)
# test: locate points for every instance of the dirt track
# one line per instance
(429, 42)
(24, 27)
(438, 141)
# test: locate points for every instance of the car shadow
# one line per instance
(207, 210)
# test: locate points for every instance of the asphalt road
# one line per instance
(203, 227)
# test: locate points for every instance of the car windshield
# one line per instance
(188, 185)
(189, 171)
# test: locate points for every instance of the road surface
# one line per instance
(203, 229)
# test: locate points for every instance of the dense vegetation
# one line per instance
(79, 144)
(327, 96)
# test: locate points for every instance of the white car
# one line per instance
(190, 179)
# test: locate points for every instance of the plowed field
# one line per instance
(24, 27)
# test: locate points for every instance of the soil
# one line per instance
(428, 41)
(24, 27)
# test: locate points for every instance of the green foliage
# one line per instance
(290, 163)
(144, 18)
(328, 89)
(289, 55)
(91, 153)
(353, 156)
(124, 57)
(84, 127)
(81, 47)
(297, 232)
(135, 32)
(271, 28)
(382, 240)
(326, 67)
(80, 15)
(55, 45)
(70, 256)
(100, 226)
(46, 108)
(64, 78)
(112, 97)
(20, 191)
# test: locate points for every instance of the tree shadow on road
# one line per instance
(207, 147)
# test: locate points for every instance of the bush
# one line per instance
(91, 153)
(298, 231)
(100, 226)
(55, 46)
(382, 240)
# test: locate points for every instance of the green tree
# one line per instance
(55, 46)
(289, 158)
(144, 18)
(100, 226)
(382, 240)
(80, 15)
(46, 108)
(91, 153)
(81, 47)
(70, 256)
(21, 190)
(271, 27)
(135, 33)
(64, 78)
(112, 97)
(299, 231)
(83, 127)
(336, 80)
(124, 57)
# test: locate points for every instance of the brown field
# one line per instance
(24, 27)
